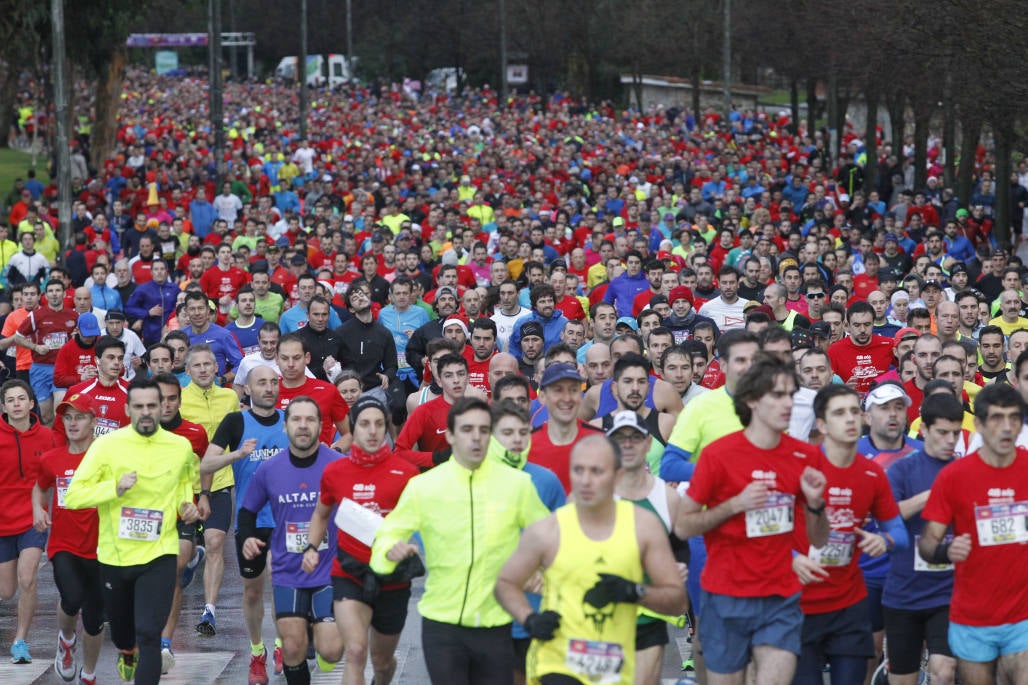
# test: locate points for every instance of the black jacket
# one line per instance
(320, 344)
(368, 349)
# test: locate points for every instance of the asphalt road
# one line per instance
(223, 658)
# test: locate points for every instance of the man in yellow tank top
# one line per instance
(593, 553)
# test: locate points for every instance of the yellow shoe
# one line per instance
(127, 665)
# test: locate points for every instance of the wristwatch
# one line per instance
(309, 547)
(205, 493)
(640, 590)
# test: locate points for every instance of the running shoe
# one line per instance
(259, 669)
(20, 652)
(190, 570)
(83, 680)
(689, 665)
(127, 666)
(206, 625)
(167, 656)
(277, 658)
(323, 665)
(64, 662)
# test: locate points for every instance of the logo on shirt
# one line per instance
(363, 491)
(767, 477)
(1001, 495)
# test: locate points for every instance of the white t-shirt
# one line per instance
(228, 207)
(304, 158)
(505, 326)
(252, 361)
(726, 316)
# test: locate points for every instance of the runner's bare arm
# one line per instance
(530, 555)
(665, 593)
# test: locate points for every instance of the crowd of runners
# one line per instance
(592, 373)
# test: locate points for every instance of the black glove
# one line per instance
(439, 456)
(541, 626)
(610, 589)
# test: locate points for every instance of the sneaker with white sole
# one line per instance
(190, 570)
(64, 661)
(167, 656)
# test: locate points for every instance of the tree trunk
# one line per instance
(1002, 134)
(811, 106)
(896, 103)
(871, 141)
(696, 113)
(970, 132)
(794, 104)
(922, 118)
(8, 100)
(949, 136)
(108, 97)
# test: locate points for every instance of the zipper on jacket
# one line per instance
(21, 467)
(467, 581)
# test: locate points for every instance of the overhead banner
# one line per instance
(166, 40)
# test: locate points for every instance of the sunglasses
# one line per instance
(815, 296)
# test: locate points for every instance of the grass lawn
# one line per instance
(15, 164)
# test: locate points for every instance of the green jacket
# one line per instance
(469, 522)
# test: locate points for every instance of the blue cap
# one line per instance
(88, 325)
(628, 321)
(559, 372)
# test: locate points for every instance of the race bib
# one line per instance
(105, 426)
(774, 518)
(62, 489)
(600, 662)
(141, 525)
(401, 360)
(55, 340)
(357, 521)
(1002, 524)
(296, 537)
(838, 551)
(921, 565)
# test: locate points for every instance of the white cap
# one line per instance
(627, 419)
(885, 393)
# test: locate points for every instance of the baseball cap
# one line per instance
(367, 402)
(115, 315)
(905, 333)
(957, 269)
(680, 292)
(931, 283)
(887, 275)
(444, 290)
(627, 321)
(532, 328)
(962, 213)
(88, 325)
(78, 402)
(298, 260)
(627, 419)
(557, 372)
(891, 237)
(618, 221)
(820, 328)
(884, 393)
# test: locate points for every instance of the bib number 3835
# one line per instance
(774, 518)
(141, 525)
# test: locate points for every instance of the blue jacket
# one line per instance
(202, 215)
(552, 328)
(105, 297)
(143, 299)
(622, 291)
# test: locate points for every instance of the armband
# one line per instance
(941, 554)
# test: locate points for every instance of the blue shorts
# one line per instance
(11, 546)
(311, 603)
(730, 627)
(983, 644)
(875, 588)
(41, 377)
(697, 560)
